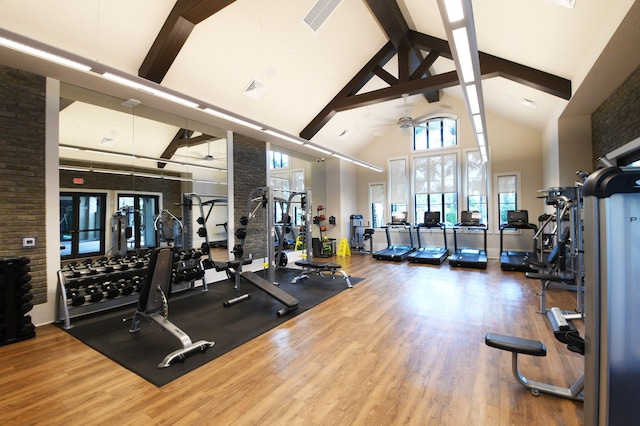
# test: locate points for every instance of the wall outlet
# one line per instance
(29, 242)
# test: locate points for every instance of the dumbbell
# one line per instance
(75, 297)
(137, 282)
(125, 287)
(94, 293)
(110, 289)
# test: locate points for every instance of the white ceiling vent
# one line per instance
(255, 89)
(319, 13)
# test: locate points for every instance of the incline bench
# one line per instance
(322, 269)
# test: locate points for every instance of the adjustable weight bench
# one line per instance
(518, 345)
(322, 269)
(154, 306)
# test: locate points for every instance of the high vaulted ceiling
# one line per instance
(342, 85)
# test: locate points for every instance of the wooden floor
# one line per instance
(405, 346)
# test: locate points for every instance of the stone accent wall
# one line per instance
(617, 121)
(250, 172)
(22, 171)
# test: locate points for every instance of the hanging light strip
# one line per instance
(137, 174)
(139, 157)
(33, 48)
(457, 17)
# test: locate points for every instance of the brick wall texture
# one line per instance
(617, 121)
(22, 171)
(250, 172)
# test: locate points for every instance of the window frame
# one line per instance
(372, 220)
(75, 231)
(431, 118)
(438, 153)
(496, 177)
(487, 195)
(392, 205)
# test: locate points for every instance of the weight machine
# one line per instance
(263, 198)
(564, 267)
(169, 229)
(612, 224)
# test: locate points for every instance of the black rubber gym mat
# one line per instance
(202, 316)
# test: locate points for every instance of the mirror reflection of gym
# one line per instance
(115, 194)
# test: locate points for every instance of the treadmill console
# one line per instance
(517, 216)
(470, 218)
(398, 218)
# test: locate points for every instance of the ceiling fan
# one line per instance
(200, 156)
(405, 122)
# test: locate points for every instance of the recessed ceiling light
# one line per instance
(529, 103)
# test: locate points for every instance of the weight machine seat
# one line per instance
(322, 269)
(516, 344)
(153, 304)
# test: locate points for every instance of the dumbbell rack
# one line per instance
(15, 300)
(130, 270)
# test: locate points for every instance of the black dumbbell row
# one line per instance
(95, 280)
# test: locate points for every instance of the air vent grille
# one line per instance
(319, 13)
(255, 89)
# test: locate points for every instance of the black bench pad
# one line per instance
(318, 265)
(516, 344)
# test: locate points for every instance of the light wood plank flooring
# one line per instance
(405, 346)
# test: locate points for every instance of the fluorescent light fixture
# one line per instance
(140, 157)
(43, 54)
(113, 154)
(148, 89)
(461, 42)
(232, 118)
(454, 10)
(112, 172)
(477, 123)
(480, 140)
(74, 169)
(317, 148)
(457, 17)
(342, 157)
(283, 136)
(472, 96)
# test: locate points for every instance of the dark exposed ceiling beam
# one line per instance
(492, 66)
(184, 16)
(411, 87)
(357, 82)
(390, 18)
(182, 139)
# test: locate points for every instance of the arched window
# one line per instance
(436, 132)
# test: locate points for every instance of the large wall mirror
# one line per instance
(132, 177)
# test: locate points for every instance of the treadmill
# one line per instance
(511, 260)
(469, 257)
(432, 255)
(394, 251)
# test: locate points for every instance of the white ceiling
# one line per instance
(303, 70)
